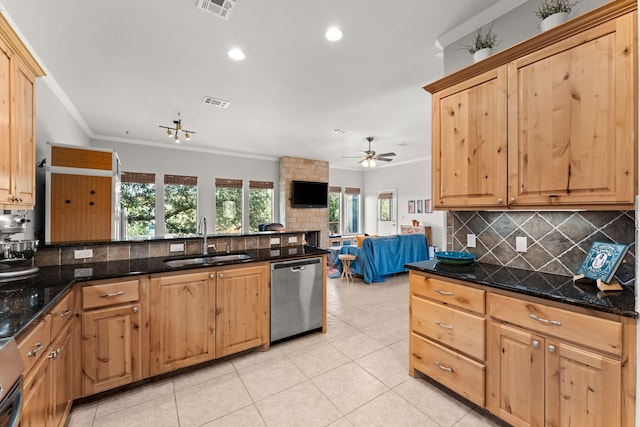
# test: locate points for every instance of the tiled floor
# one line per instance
(355, 375)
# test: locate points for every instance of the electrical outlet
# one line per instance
(83, 253)
(293, 239)
(176, 247)
(471, 240)
(275, 252)
(521, 244)
(274, 241)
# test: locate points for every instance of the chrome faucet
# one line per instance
(203, 228)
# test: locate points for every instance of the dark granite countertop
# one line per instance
(543, 285)
(23, 300)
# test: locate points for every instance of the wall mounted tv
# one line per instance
(307, 194)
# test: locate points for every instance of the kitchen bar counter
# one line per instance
(24, 300)
(542, 285)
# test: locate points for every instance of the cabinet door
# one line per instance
(37, 391)
(572, 120)
(582, 388)
(75, 199)
(241, 310)
(23, 134)
(111, 347)
(469, 146)
(182, 320)
(516, 383)
(6, 162)
(61, 366)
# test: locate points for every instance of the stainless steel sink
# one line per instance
(209, 259)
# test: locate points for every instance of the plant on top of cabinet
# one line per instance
(483, 43)
(557, 12)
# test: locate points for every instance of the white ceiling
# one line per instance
(128, 66)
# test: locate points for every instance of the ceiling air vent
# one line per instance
(221, 8)
(341, 131)
(215, 102)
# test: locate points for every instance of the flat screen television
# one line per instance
(307, 194)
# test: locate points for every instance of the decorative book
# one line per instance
(602, 261)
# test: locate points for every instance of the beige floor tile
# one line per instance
(349, 386)
(293, 345)
(255, 357)
(245, 417)
(201, 375)
(387, 366)
(355, 345)
(342, 422)
(318, 358)
(389, 409)
(210, 400)
(82, 415)
(401, 347)
(474, 419)
(134, 397)
(301, 405)
(439, 406)
(160, 412)
(388, 333)
(336, 327)
(268, 378)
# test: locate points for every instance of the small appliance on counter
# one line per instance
(16, 256)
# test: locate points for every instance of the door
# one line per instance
(516, 384)
(241, 310)
(111, 347)
(582, 387)
(387, 204)
(182, 320)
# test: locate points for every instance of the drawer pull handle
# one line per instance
(54, 354)
(111, 294)
(66, 312)
(541, 320)
(445, 293)
(35, 349)
(444, 368)
(443, 325)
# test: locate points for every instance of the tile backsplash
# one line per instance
(557, 242)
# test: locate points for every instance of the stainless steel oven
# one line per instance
(11, 368)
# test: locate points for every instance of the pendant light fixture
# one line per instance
(176, 129)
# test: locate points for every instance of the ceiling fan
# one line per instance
(370, 156)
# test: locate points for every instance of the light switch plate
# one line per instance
(471, 240)
(176, 247)
(521, 244)
(83, 253)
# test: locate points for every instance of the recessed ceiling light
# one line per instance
(333, 34)
(236, 54)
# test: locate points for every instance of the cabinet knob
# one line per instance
(499, 201)
(551, 348)
(535, 344)
(212, 276)
(222, 275)
(511, 200)
(135, 309)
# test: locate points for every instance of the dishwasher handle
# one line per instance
(297, 268)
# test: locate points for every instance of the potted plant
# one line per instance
(554, 12)
(483, 44)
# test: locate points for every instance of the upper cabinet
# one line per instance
(18, 71)
(547, 124)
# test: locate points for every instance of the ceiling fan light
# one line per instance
(187, 137)
(169, 134)
(177, 140)
(333, 34)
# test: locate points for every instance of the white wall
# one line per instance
(412, 181)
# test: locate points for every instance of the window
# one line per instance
(385, 207)
(352, 211)
(334, 209)
(138, 201)
(260, 203)
(228, 206)
(180, 204)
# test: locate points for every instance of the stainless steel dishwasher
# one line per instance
(296, 297)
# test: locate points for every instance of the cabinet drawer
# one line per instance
(33, 345)
(460, 330)
(459, 373)
(594, 332)
(448, 293)
(61, 314)
(104, 294)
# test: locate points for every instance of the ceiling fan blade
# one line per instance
(383, 159)
(362, 160)
(386, 155)
(351, 157)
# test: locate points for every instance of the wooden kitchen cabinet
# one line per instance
(182, 325)
(242, 309)
(18, 71)
(112, 334)
(567, 137)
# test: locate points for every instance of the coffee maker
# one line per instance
(16, 256)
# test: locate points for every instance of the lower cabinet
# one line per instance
(182, 324)
(547, 364)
